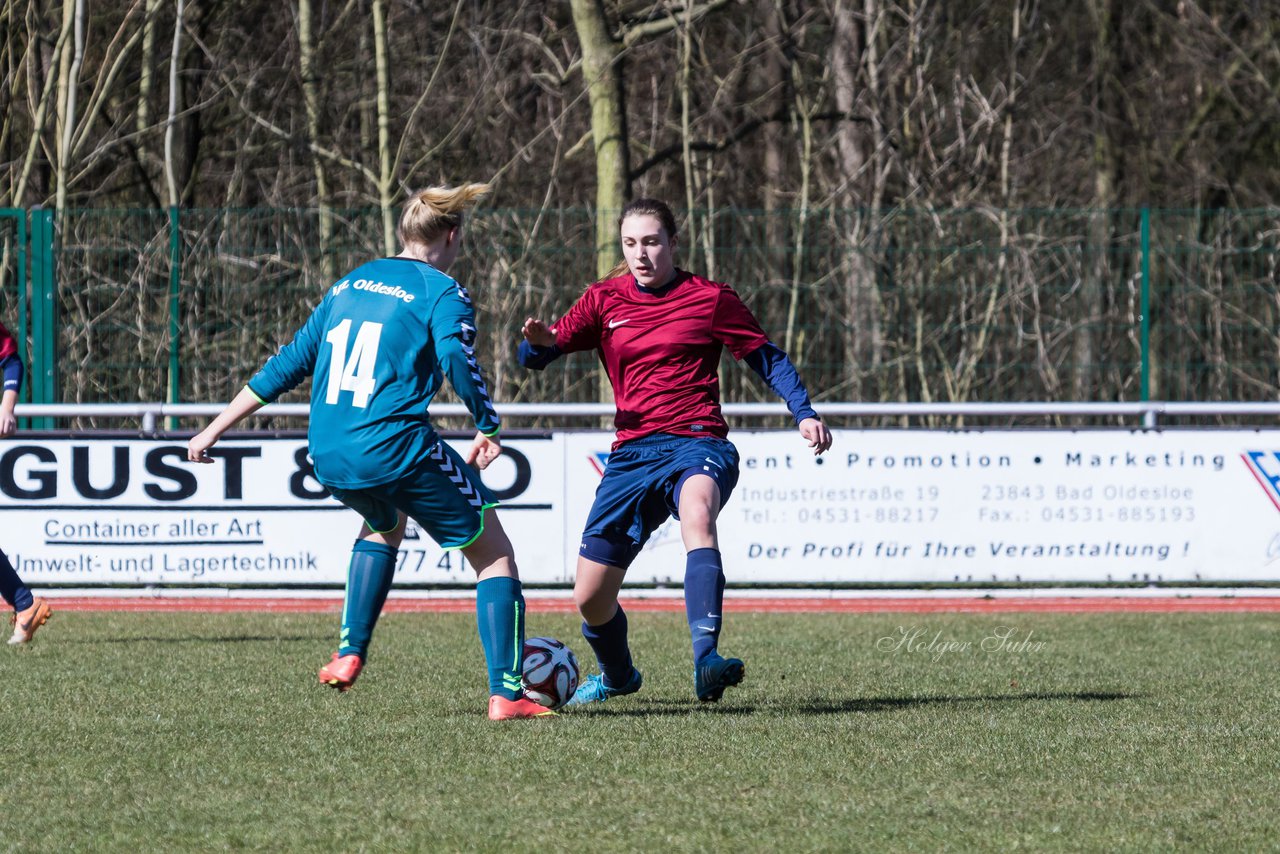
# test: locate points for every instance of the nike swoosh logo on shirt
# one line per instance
(616, 323)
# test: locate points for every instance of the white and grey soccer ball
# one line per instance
(549, 672)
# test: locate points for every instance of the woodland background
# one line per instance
(921, 200)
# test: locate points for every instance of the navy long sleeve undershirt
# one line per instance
(11, 370)
(776, 370)
(537, 358)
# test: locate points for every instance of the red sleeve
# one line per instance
(579, 329)
(735, 326)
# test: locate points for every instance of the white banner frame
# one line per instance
(883, 507)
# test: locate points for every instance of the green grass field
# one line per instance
(151, 732)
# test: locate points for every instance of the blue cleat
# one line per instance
(593, 689)
(713, 674)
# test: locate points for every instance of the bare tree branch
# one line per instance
(738, 134)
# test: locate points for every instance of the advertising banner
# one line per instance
(882, 507)
(132, 511)
(917, 506)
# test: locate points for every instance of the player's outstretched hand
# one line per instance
(817, 434)
(244, 403)
(538, 333)
(8, 424)
(198, 447)
(484, 450)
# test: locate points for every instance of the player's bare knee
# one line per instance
(596, 606)
(491, 557)
(585, 600)
(697, 519)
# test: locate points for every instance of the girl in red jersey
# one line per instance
(29, 612)
(659, 331)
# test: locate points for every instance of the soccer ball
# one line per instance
(549, 672)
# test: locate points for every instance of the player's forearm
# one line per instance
(8, 401)
(467, 378)
(242, 406)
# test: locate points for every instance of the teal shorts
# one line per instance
(444, 495)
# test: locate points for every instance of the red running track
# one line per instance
(759, 605)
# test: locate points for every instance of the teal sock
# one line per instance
(500, 620)
(369, 575)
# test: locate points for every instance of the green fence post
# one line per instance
(24, 301)
(1144, 333)
(44, 314)
(175, 327)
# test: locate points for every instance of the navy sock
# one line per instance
(704, 600)
(369, 575)
(500, 620)
(11, 586)
(609, 641)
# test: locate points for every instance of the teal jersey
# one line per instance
(379, 345)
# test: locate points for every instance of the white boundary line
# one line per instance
(676, 593)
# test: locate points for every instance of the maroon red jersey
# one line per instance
(661, 349)
(7, 345)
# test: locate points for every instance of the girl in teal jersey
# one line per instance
(379, 346)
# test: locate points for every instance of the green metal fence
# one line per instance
(930, 305)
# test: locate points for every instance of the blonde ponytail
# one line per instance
(433, 211)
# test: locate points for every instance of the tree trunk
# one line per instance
(602, 73)
(686, 137)
(41, 113)
(1085, 350)
(142, 114)
(311, 99)
(865, 345)
(170, 125)
(142, 119)
(386, 181)
(68, 78)
(772, 71)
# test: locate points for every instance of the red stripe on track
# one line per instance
(1055, 605)
(213, 606)
(779, 605)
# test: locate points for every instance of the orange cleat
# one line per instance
(26, 622)
(341, 672)
(502, 709)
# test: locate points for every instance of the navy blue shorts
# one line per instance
(441, 493)
(641, 489)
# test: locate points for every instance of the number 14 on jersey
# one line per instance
(353, 371)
